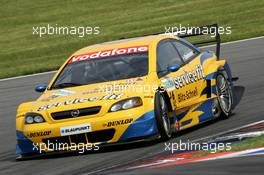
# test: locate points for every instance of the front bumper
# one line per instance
(142, 125)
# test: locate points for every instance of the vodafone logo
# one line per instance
(107, 53)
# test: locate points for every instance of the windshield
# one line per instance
(102, 70)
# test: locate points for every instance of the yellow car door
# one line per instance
(192, 79)
(168, 57)
(178, 67)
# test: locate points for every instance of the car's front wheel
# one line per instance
(162, 116)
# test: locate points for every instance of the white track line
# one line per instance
(231, 130)
(243, 40)
(243, 153)
(50, 72)
(26, 76)
(195, 140)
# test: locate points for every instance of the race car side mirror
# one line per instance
(173, 68)
(40, 87)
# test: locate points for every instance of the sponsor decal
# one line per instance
(81, 100)
(64, 92)
(168, 84)
(187, 95)
(133, 81)
(76, 129)
(50, 98)
(61, 92)
(189, 77)
(38, 134)
(93, 90)
(107, 53)
(118, 122)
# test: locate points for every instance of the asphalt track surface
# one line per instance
(246, 59)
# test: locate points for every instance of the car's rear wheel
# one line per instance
(162, 116)
(224, 96)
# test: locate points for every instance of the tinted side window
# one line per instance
(166, 56)
(185, 51)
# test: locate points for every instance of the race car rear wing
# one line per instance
(196, 31)
(203, 30)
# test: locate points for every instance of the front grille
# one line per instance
(78, 139)
(93, 137)
(100, 136)
(51, 142)
(72, 113)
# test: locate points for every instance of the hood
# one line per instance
(101, 94)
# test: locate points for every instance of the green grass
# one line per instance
(23, 53)
(246, 144)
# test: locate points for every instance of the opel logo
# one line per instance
(75, 113)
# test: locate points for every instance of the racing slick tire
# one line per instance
(224, 93)
(162, 116)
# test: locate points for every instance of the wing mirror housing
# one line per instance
(173, 68)
(40, 87)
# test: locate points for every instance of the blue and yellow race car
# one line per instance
(127, 90)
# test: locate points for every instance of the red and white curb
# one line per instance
(184, 158)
